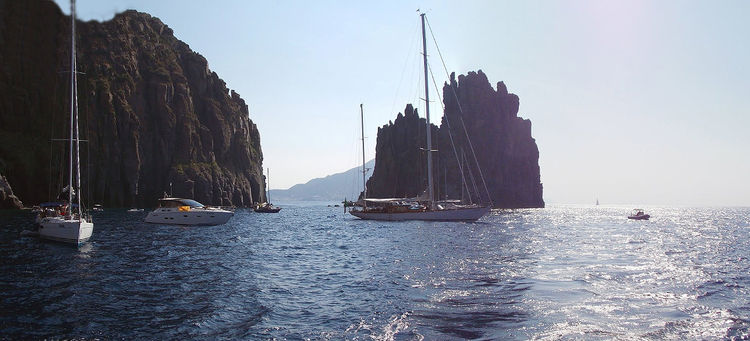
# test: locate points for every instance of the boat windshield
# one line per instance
(177, 202)
(55, 204)
(191, 203)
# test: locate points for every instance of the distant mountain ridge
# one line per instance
(336, 187)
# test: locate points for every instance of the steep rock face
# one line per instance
(152, 111)
(7, 198)
(505, 150)
(400, 157)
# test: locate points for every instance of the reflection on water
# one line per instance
(311, 272)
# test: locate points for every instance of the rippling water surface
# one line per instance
(311, 272)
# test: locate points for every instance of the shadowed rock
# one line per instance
(151, 110)
(506, 152)
(7, 198)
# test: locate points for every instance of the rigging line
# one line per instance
(450, 135)
(460, 116)
(471, 176)
(77, 137)
(51, 152)
(88, 157)
(72, 104)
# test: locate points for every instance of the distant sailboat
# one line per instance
(267, 207)
(70, 224)
(417, 208)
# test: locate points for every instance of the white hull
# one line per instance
(72, 231)
(458, 214)
(196, 216)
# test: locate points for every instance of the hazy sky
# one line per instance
(631, 102)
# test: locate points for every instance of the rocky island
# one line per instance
(152, 112)
(506, 152)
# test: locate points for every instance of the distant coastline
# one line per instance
(333, 188)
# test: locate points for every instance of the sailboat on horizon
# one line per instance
(420, 208)
(69, 223)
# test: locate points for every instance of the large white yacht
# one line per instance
(178, 211)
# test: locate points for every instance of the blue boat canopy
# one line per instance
(54, 204)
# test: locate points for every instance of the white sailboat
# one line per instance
(417, 208)
(71, 225)
(267, 207)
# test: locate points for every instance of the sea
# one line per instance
(313, 272)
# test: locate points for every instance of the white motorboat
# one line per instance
(178, 211)
(638, 214)
(70, 224)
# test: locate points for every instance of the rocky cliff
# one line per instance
(505, 150)
(400, 157)
(7, 198)
(152, 111)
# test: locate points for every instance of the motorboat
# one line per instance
(179, 211)
(267, 208)
(638, 214)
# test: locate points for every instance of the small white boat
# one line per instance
(638, 214)
(178, 211)
(135, 210)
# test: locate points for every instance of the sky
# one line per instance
(631, 102)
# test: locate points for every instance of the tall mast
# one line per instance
(427, 115)
(268, 185)
(72, 102)
(78, 137)
(364, 170)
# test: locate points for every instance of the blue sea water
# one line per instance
(313, 272)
